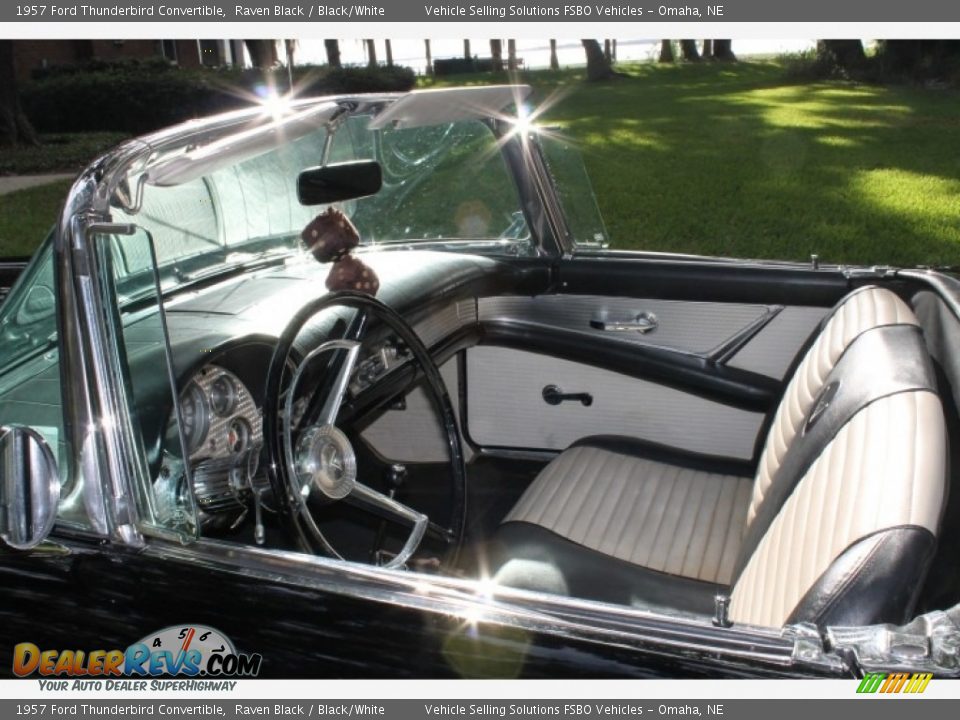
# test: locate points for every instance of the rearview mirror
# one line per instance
(29, 487)
(339, 181)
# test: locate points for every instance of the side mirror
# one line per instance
(29, 487)
(339, 182)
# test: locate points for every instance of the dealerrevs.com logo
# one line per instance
(179, 650)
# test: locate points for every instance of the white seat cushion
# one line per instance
(662, 517)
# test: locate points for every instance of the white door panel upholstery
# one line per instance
(671, 519)
(776, 345)
(505, 407)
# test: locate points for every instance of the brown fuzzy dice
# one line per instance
(330, 236)
(350, 273)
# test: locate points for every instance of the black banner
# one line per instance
(420, 11)
(783, 709)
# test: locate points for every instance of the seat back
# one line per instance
(852, 479)
(862, 310)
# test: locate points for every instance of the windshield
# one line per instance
(28, 320)
(443, 183)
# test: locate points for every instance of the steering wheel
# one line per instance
(312, 461)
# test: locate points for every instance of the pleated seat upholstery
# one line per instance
(836, 525)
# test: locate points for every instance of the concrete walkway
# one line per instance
(12, 183)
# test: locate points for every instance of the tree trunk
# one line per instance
(707, 53)
(511, 54)
(466, 50)
(389, 49)
(15, 128)
(607, 52)
(426, 44)
(496, 53)
(844, 54)
(371, 53)
(263, 53)
(613, 45)
(290, 49)
(723, 50)
(554, 61)
(666, 52)
(688, 50)
(597, 66)
(333, 53)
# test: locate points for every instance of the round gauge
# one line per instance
(223, 396)
(196, 416)
(238, 435)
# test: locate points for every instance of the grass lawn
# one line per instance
(57, 153)
(735, 160)
(26, 217)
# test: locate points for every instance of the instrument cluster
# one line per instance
(220, 416)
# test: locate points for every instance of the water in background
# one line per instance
(534, 52)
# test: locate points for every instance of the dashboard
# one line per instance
(222, 424)
(222, 337)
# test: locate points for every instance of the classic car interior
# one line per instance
(743, 442)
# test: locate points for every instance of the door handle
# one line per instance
(553, 395)
(643, 323)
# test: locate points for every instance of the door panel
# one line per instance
(774, 348)
(505, 407)
(702, 379)
(693, 327)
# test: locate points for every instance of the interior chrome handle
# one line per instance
(644, 323)
(553, 395)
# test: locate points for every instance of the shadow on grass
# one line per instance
(732, 160)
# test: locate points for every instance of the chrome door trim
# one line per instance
(475, 601)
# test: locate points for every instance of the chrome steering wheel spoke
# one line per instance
(367, 498)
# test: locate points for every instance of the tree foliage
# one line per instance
(842, 54)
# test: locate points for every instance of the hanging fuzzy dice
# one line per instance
(351, 273)
(330, 237)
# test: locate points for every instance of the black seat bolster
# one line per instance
(528, 556)
(875, 580)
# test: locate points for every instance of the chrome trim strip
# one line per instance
(483, 601)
